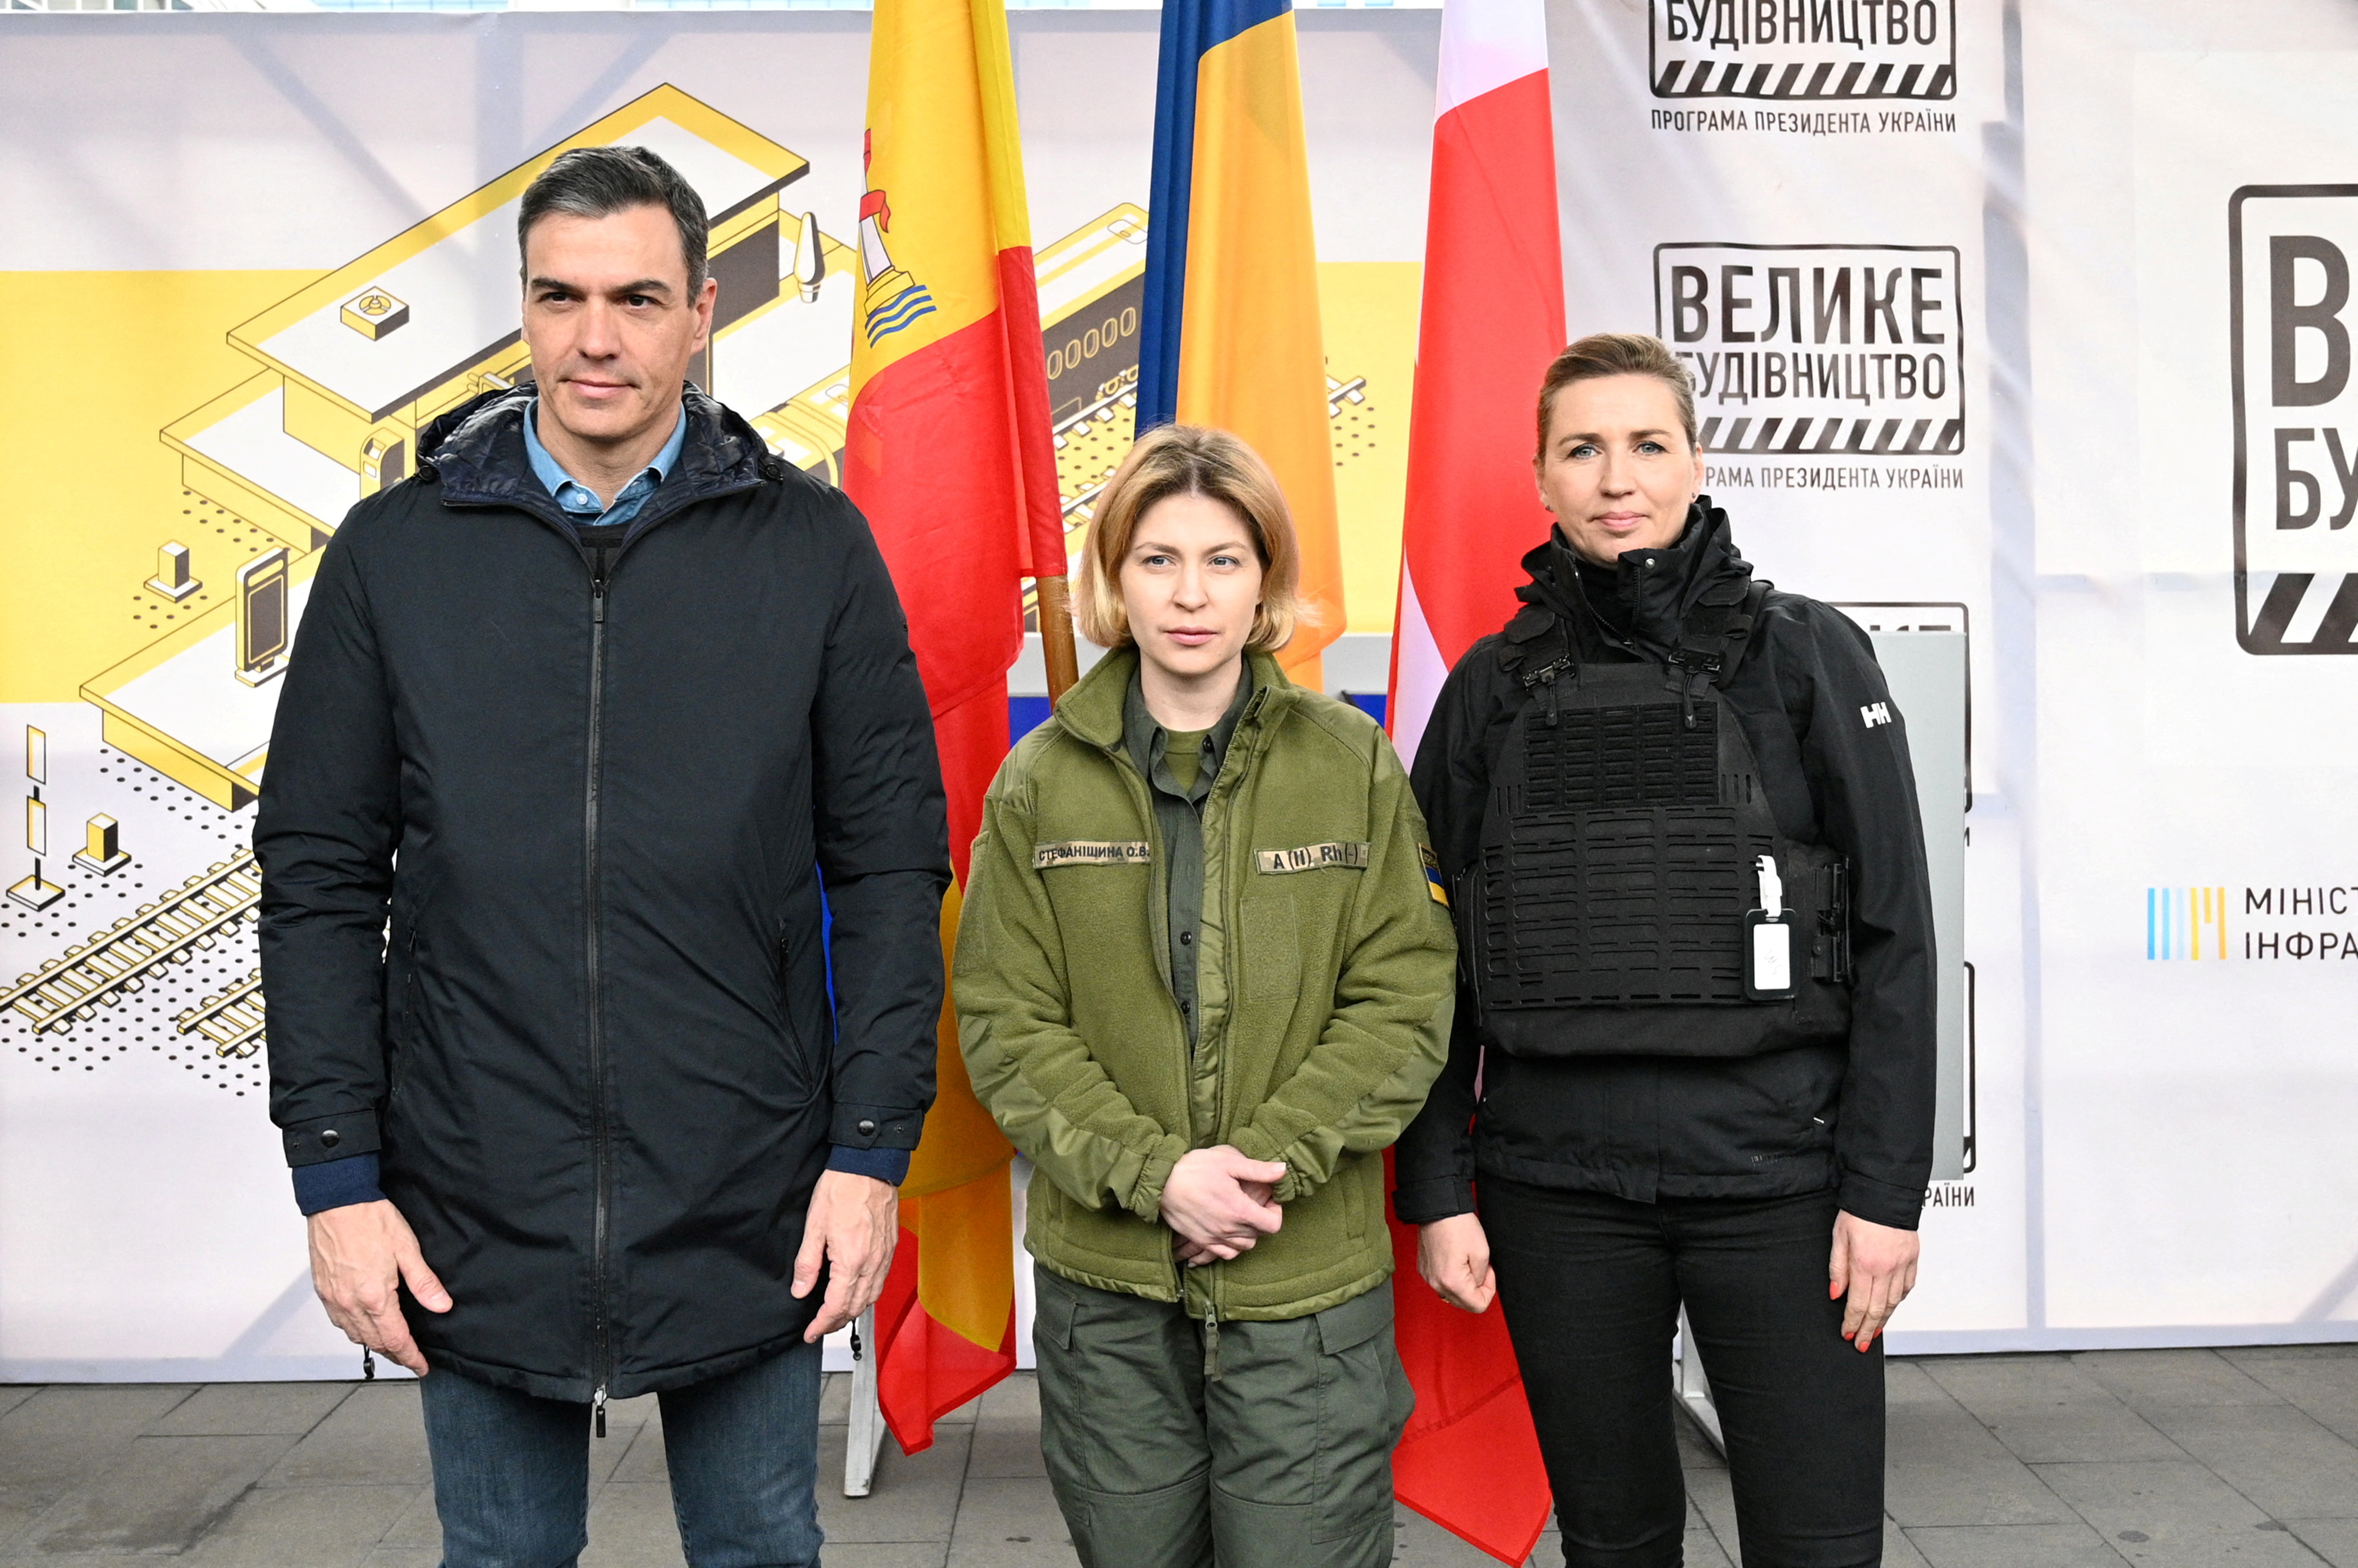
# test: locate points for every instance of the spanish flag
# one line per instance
(949, 456)
(1230, 336)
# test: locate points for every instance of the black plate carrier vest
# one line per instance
(1606, 914)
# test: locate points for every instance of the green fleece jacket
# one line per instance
(1325, 979)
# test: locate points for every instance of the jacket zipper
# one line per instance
(1215, 1275)
(600, 568)
(602, 1354)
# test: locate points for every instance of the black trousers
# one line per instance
(1591, 1284)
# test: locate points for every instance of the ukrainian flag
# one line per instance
(1230, 335)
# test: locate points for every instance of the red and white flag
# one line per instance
(1469, 1460)
(1493, 319)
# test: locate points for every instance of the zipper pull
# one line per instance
(597, 1409)
(598, 601)
(1212, 1343)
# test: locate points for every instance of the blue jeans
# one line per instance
(512, 1472)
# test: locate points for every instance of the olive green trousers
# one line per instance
(1273, 1450)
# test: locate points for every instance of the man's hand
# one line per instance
(1218, 1203)
(1454, 1256)
(853, 1225)
(1874, 1266)
(361, 1254)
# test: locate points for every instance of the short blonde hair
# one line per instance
(1603, 354)
(1189, 460)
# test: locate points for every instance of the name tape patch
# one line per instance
(1311, 857)
(1092, 852)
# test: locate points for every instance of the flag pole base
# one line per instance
(865, 1436)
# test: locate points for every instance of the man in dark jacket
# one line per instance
(593, 708)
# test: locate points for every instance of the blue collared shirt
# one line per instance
(580, 502)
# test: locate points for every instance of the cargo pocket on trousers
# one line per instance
(1363, 1404)
(1053, 1308)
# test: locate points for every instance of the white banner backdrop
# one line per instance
(1799, 201)
(2191, 236)
(1956, 280)
(2134, 221)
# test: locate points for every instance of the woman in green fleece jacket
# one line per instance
(1204, 978)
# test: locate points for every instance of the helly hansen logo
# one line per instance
(1816, 349)
(1876, 713)
(1802, 49)
(1310, 857)
(2296, 408)
(1092, 852)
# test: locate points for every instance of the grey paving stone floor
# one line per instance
(2168, 1458)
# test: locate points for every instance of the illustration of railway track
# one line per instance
(231, 1022)
(107, 968)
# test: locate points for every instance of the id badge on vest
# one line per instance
(1769, 940)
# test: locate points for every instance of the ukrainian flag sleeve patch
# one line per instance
(1433, 883)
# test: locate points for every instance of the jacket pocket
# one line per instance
(405, 1032)
(1270, 947)
(401, 1038)
(802, 1072)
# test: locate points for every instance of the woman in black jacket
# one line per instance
(1694, 1058)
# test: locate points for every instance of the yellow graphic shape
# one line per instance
(462, 261)
(86, 494)
(1368, 311)
(335, 381)
(245, 452)
(334, 414)
(374, 314)
(178, 706)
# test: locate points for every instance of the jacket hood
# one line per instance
(1093, 710)
(477, 449)
(1655, 589)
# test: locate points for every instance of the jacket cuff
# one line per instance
(875, 1126)
(336, 1184)
(1297, 1183)
(880, 1164)
(1421, 1203)
(1254, 1144)
(1146, 1197)
(1880, 1203)
(325, 1138)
